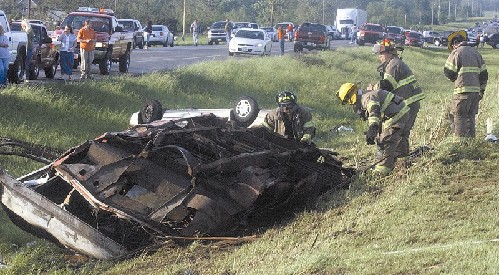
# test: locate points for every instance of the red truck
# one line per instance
(370, 33)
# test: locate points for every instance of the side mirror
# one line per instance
(118, 29)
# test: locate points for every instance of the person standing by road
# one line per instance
(466, 68)
(386, 115)
(280, 37)
(147, 34)
(86, 37)
(353, 34)
(228, 30)
(4, 57)
(68, 44)
(289, 119)
(397, 77)
(26, 26)
(290, 32)
(195, 32)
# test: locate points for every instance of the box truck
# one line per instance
(346, 18)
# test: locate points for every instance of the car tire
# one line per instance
(173, 42)
(231, 54)
(151, 111)
(210, 42)
(124, 62)
(76, 64)
(141, 44)
(105, 64)
(245, 111)
(34, 71)
(165, 44)
(50, 71)
(216, 42)
(14, 73)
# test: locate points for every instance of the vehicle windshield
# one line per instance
(250, 34)
(374, 28)
(414, 35)
(218, 25)
(157, 28)
(100, 24)
(394, 30)
(346, 22)
(127, 25)
(268, 29)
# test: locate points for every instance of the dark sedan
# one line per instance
(493, 40)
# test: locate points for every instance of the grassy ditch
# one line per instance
(436, 215)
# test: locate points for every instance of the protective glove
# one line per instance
(482, 91)
(307, 138)
(372, 133)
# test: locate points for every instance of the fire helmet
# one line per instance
(456, 38)
(384, 46)
(348, 93)
(285, 97)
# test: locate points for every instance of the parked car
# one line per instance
(414, 38)
(311, 36)
(370, 33)
(45, 51)
(284, 25)
(216, 32)
(333, 32)
(250, 41)
(395, 34)
(472, 40)
(272, 32)
(161, 35)
(493, 40)
(134, 26)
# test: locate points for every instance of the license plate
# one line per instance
(219, 39)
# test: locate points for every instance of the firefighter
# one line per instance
(466, 68)
(396, 77)
(386, 115)
(289, 119)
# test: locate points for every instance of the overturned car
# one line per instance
(200, 176)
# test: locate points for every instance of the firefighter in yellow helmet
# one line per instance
(289, 119)
(386, 115)
(397, 77)
(466, 68)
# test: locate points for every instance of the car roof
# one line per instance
(90, 14)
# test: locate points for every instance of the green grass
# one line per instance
(437, 215)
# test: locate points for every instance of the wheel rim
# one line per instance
(243, 108)
(148, 112)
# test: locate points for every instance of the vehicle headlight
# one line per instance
(100, 45)
(259, 45)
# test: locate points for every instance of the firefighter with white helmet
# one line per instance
(466, 68)
(386, 115)
(289, 119)
(397, 77)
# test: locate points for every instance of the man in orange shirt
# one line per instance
(280, 36)
(86, 37)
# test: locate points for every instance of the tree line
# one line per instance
(405, 13)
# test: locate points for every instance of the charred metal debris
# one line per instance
(200, 176)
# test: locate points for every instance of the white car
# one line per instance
(245, 113)
(250, 41)
(161, 36)
(272, 32)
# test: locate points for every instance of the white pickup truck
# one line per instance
(18, 41)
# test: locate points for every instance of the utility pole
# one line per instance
(29, 9)
(183, 22)
(322, 12)
(432, 7)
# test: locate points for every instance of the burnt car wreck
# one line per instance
(192, 177)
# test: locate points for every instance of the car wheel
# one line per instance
(165, 44)
(34, 71)
(210, 42)
(15, 72)
(231, 54)
(151, 111)
(50, 71)
(245, 111)
(76, 64)
(216, 42)
(437, 42)
(141, 44)
(496, 46)
(125, 62)
(173, 42)
(105, 64)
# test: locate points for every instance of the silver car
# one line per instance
(161, 36)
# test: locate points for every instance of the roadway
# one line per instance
(159, 58)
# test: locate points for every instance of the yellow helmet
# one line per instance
(348, 93)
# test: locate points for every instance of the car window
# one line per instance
(394, 30)
(16, 27)
(218, 25)
(414, 35)
(305, 27)
(157, 28)
(100, 24)
(127, 25)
